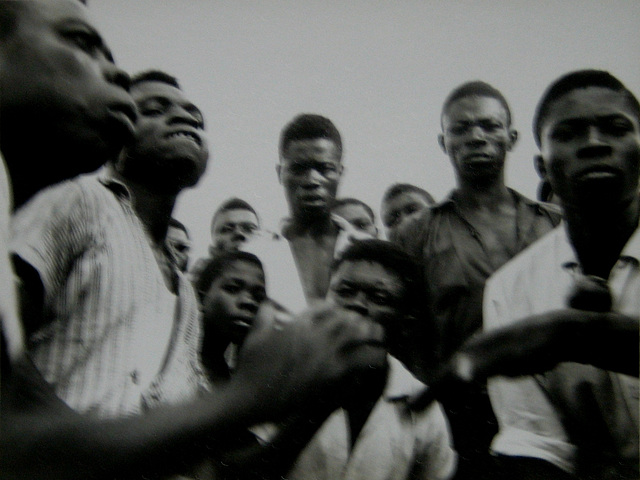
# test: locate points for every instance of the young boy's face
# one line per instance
(401, 209)
(372, 291)
(232, 228)
(231, 304)
(358, 217)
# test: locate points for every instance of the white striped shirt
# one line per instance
(115, 340)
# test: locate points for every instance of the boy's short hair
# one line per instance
(476, 88)
(579, 79)
(340, 202)
(233, 203)
(399, 188)
(154, 76)
(308, 126)
(216, 266)
(392, 258)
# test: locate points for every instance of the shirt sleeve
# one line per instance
(435, 458)
(528, 424)
(50, 232)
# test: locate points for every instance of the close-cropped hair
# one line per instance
(308, 126)
(354, 201)
(174, 222)
(476, 88)
(216, 266)
(154, 76)
(233, 203)
(579, 79)
(399, 188)
(392, 258)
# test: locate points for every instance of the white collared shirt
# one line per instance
(392, 445)
(538, 281)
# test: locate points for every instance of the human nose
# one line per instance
(312, 178)
(595, 145)
(181, 115)
(477, 133)
(115, 75)
(246, 301)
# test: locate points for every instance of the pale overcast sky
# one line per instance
(379, 69)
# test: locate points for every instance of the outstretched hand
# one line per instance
(536, 344)
(288, 361)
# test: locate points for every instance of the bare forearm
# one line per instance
(56, 442)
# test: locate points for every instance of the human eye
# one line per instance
(226, 228)
(248, 228)
(152, 108)
(327, 169)
(381, 298)
(490, 125)
(409, 209)
(458, 128)
(392, 220)
(297, 168)
(259, 294)
(618, 126)
(231, 287)
(85, 39)
(565, 132)
(344, 291)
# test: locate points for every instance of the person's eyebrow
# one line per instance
(91, 30)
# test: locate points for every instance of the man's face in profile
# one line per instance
(59, 84)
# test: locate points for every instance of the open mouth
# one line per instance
(191, 136)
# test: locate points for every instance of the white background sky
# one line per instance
(379, 69)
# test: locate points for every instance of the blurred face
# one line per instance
(60, 90)
(358, 217)
(590, 145)
(372, 291)
(231, 304)
(476, 136)
(310, 171)
(169, 152)
(232, 228)
(181, 246)
(402, 209)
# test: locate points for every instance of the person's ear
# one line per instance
(441, 142)
(538, 163)
(513, 138)
(279, 171)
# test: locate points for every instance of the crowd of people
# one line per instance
(484, 336)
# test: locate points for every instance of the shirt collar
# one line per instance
(568, 259)
(400, 382)
(451, 199)
(107, 178)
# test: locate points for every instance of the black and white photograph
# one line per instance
(320, 240)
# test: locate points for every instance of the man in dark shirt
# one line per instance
(464, 239)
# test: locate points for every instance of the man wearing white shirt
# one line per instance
(576, 421)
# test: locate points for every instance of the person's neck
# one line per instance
(24, 184)
(489, 194)
(314, 226)
(153, 209)
(598, 234)
(212, 351)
